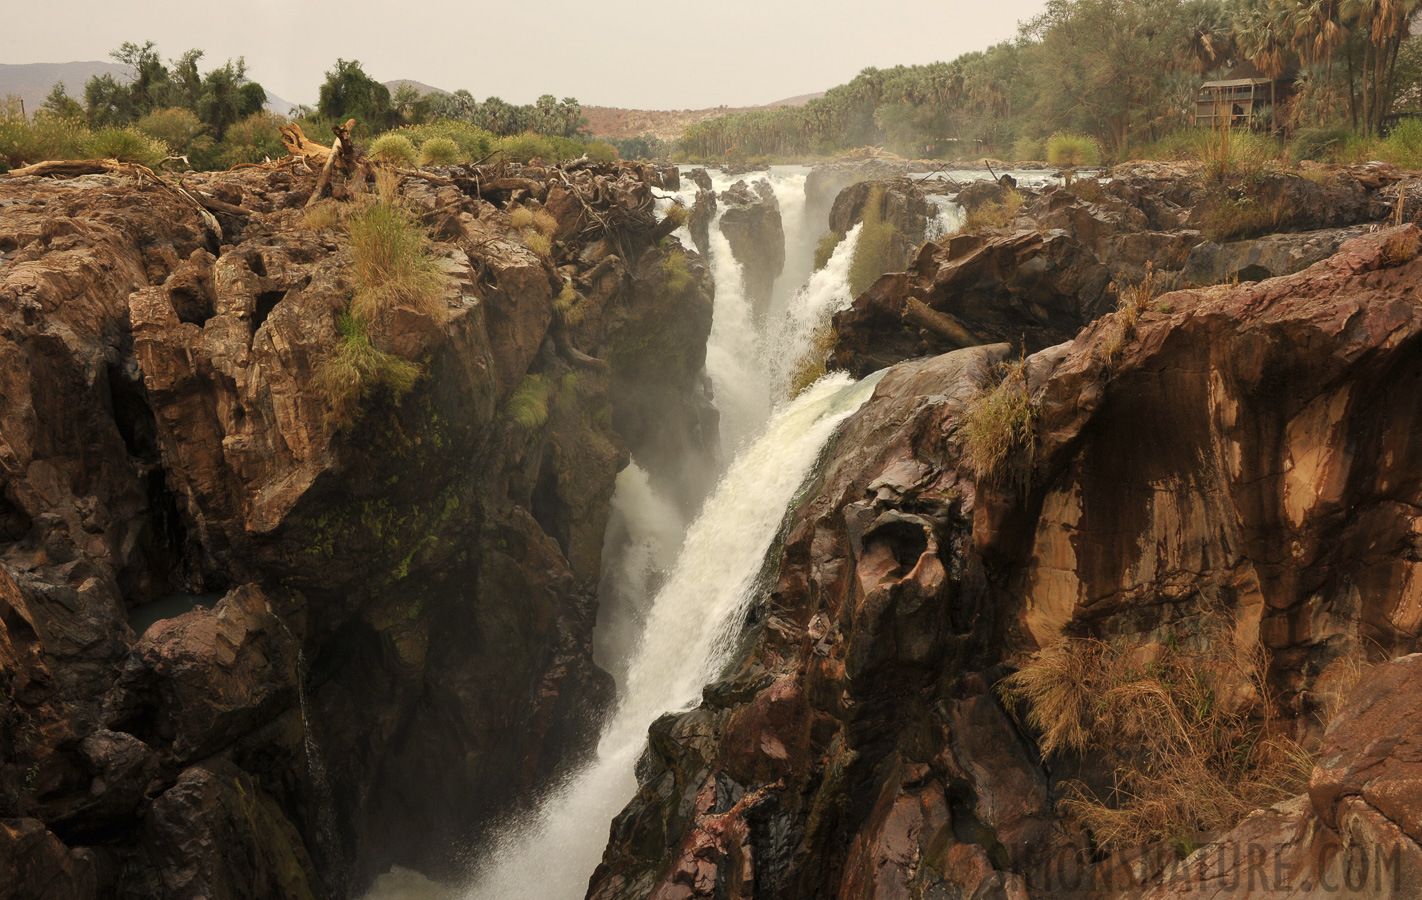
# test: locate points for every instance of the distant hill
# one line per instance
(32, 81)
(419, 86)
(667, 124)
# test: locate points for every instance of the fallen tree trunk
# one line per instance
(72, 168)
(918, 313)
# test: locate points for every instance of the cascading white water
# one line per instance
(688, 632)
(826, 293)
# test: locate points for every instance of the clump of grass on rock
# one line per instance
(357, 371)
(392, 261)
(1188, 727)
(1000, 428)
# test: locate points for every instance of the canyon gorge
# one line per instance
(679, 568)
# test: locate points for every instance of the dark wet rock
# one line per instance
(699, 178)
(750, 220)
(901, 204)
(703, 211)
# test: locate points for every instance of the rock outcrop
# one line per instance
(1239, 455)
(750, 220)
(1032, 287)
(384, 614)
(900, 205)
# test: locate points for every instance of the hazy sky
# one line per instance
(632, 53)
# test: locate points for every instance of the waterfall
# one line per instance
(689, 631)
(673, 597)
(826, 293)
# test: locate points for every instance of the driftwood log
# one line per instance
(343, 156)
(918, 313)
(72, 168)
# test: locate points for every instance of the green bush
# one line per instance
(252, 140)
(1029, 149)
(825, 248)
(126, 145)
(474, 143)
(1067, 148)
(439, 151)
(358, 371)
(393, 149)
(601, 151)
(1403, 147)
(529, 146)
(1319, 142)
(392, 262)
(24, 143)
(182, 131)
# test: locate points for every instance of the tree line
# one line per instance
(1124, 71)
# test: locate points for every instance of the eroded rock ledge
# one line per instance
(1247, 453)
(398, 642)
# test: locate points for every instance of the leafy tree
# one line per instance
(349, 93)
(59, 104)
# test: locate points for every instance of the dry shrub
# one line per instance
(999, 428)
(1190, 731)
(994, 214)
(392, 262)
(1133, 300)
(325, 214)
(358, 371)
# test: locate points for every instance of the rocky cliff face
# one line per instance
(398, 642)
(1244, 455)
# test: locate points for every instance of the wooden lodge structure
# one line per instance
(1235, 99)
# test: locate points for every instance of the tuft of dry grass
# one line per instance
(536, 228)
(994, 214)
(1133, 299)
(358, 371)
(1190, 729)
(392, 262)
(999, 428)
(323, 215)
